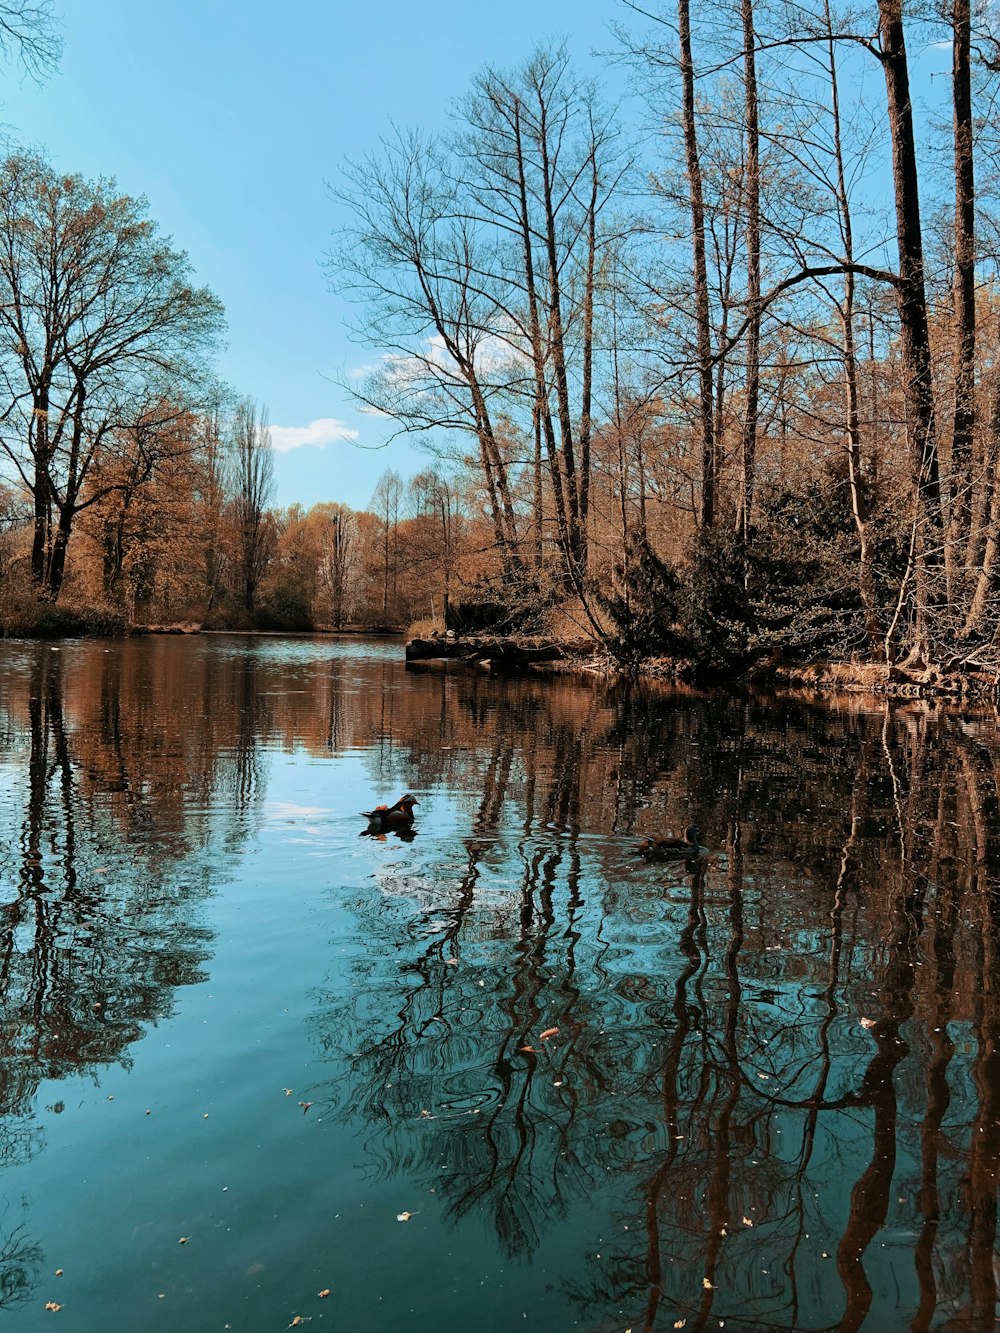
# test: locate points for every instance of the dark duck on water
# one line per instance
(673, 848)
(397, 816)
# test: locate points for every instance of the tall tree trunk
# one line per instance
(536, 479)
(859, 499)
(987, 587)
(912, 302)
(702, 309)
(41, 537)
(748, 442)
(557, 353)
(965, 286)
(586, 420)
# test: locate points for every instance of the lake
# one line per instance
(259, 1070)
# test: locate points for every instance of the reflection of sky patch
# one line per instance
(289, 810)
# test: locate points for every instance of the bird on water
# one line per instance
(396, 816)
(673, 848)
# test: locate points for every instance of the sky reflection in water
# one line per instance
(769, 1093)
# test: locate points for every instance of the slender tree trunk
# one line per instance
(702, 309)
(586, 421)
(965, 286)
(748, 442)
(859, 500)
(978, 622)
(557, 353)
(57, 558)
(912, 302)
(536, 477)
(42, 490)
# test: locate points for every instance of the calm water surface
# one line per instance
(503, 1075)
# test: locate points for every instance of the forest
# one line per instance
(702, 352)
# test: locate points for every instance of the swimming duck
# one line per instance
(673, 848)
(398, 816)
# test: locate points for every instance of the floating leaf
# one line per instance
(403, 1217)
(549, 1032)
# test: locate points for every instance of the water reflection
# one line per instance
(776, 1072)
(759, 1086)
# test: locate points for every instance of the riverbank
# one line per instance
(513, 654)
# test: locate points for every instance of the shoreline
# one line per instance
(522, 655)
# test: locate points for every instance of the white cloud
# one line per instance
(318, 433)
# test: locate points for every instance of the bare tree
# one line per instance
(438, 529)
(413, 262)
(386, 504)
(252, 486)
(98, 319)
(479, 258)
(339, 561)
(29, 34)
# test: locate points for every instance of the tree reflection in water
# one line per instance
(104, 866)
(775, 1069)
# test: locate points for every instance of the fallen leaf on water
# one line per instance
(324, 1293)
(868, 1022)
(305, 1106)
(549, 1032)
(403, 1217)
(51, 1305)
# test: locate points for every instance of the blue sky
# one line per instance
(231, 118)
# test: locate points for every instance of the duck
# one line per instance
(673, 848)
(397, 816)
